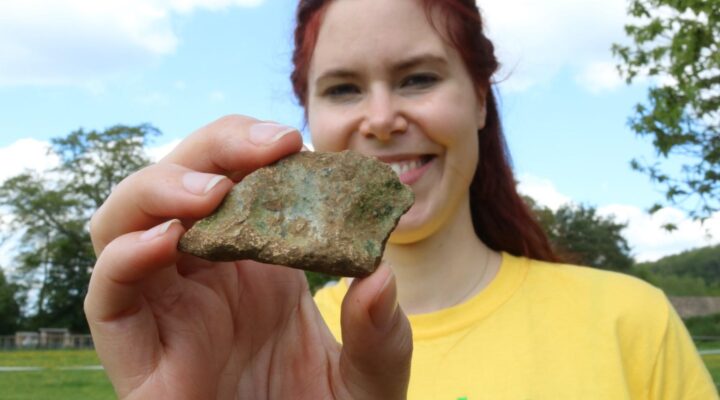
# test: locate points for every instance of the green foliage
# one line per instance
(9, 306)
(50, 214)
(690, 273)
(708, 325)
(701, 263)
(678, 41)
(317, 280)
(674, 285)
(581, 236)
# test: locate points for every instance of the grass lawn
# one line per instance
(712, 361)
(57, 383)
(708, 345)
(54, 382)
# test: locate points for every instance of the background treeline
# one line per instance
(45, 216)
(690, 273)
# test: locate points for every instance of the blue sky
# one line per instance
(180, 64)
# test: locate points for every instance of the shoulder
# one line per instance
(622, 298)
(592, 281)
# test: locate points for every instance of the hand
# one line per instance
(168, 325)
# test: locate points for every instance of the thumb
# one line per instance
(377, 339)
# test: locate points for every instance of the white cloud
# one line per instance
(86, 41)
(158, 152)
(536, 40)
(25, 154)
(645, 234)
(32, 154)
(600, 76)
(543, 191)
(650, 241)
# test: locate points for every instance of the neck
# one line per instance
(445, 269)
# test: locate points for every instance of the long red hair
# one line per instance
(500, 217)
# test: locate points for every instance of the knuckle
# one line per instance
(228, 127)
(402, 344)
(235, 120)
(142, 183)
(88, 304)
(95, 230)
(94, 226)
(405, 349)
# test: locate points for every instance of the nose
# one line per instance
(382, 118)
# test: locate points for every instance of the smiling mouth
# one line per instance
(401, 168)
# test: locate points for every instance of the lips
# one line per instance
(409, 169)
(405, 166)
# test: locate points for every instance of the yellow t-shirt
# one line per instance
(550, 331)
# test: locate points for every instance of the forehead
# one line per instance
(373, 30)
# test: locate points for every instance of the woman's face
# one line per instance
(384, 83)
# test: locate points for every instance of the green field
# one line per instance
(58, 383)
(54, 381)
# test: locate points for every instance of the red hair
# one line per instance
(500, 217)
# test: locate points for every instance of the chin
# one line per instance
(400, 239)
(410, 229)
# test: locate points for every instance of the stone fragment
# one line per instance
(324, 212)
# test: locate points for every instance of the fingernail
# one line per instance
(159, 230)
(384, 309)
(200, 183)
(265, 133)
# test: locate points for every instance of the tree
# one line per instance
(579, 235)
(677, 41)
(51, 211)
(9, 306)
(703, 263)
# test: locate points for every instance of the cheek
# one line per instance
(452, 127)
(456, 129)
(326, 131)
(462, 158)
(451, 115)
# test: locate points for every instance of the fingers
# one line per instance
(125, 277)
(377, 339)
(155, 194)
(235, 145)
(130, 263)
(231, 146)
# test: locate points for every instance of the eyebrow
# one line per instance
(421, 59)
(403, 65)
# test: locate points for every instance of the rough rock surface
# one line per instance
(324, 212)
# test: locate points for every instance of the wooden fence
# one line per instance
(695, 306)
(60, 338)
(45, 339)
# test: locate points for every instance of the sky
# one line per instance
(181, 64)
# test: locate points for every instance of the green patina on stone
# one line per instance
(324, 212)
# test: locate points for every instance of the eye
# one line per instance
(420, 81)
(341, 90)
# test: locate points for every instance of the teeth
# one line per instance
(405, 166)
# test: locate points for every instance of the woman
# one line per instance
(407, 81)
